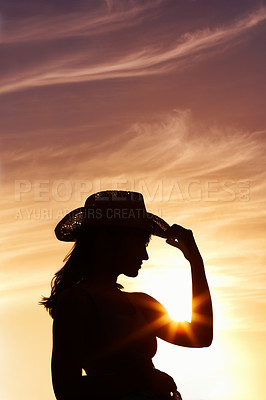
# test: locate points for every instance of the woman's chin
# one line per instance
(133, 273)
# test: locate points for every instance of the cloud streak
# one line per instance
(161, 144)
(109, 16)
(147, 61)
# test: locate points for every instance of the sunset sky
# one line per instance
(166, 97)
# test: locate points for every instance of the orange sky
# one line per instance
(162, 97)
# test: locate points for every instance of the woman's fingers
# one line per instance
(182, 239)
(178, 232)
(173, 242)
(180, 245)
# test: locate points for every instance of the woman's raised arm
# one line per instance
(198, 332)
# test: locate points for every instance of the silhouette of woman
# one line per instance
(103, 330)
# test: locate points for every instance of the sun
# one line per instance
(172, 288)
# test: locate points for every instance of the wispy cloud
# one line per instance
(149, 60)
(168, 147)
(108, 16)
(163, 144)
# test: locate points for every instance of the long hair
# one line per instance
(77, 267)
(79, 264)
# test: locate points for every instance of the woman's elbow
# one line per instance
(205, 339)
(206, 342)
(202, 335)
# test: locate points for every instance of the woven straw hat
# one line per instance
(110, 208)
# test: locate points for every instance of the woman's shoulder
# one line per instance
(147, 302)
(142, 297)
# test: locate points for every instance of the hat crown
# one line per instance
(112, 206)
(115, 198)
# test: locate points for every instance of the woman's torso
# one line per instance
(119, 340)
(117, 334)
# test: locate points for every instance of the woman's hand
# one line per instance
(183, 239)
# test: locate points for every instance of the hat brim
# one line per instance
(69, 228)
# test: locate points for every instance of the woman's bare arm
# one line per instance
(198, 332)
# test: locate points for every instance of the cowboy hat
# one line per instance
(110, 208)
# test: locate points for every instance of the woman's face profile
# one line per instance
(133, 252)
(129, 249)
